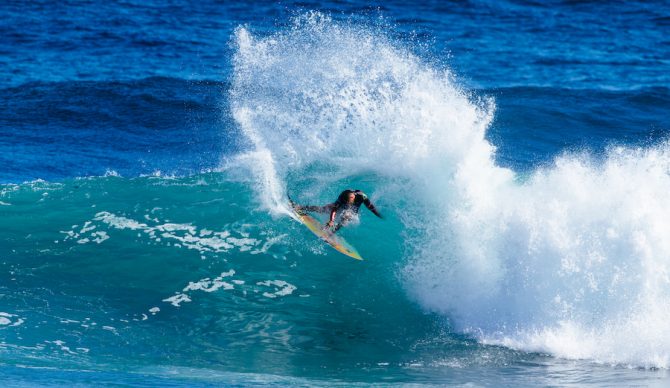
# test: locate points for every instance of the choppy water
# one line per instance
(518, 151)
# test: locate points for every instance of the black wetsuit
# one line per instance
(343, 206)
(360, 198)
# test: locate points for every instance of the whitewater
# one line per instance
(570, 259)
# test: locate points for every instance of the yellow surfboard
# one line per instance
(333, 240)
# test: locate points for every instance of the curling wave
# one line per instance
(571, 259)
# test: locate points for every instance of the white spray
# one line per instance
(574, 260)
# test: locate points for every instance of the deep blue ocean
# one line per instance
(519, 151)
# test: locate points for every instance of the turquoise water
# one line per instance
(108, 278)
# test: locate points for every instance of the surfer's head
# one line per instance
(351, 197)
(346, 197)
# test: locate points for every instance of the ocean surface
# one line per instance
(518, 150)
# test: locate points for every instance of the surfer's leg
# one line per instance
(317, 209)
(310, 208)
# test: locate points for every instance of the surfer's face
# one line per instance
(351, 198)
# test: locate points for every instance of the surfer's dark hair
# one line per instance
(343, 195)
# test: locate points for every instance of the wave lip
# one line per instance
(346, 97)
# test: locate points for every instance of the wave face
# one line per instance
(570, 258)
(187, 281)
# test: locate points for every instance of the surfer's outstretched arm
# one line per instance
(372, 207)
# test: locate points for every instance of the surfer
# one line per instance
(347, 205)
